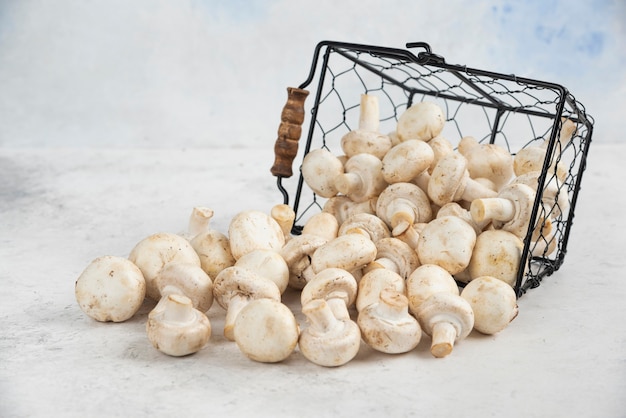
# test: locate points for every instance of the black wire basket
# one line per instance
(513, 112)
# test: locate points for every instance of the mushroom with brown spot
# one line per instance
(447, 242)
(367, 138)
(447, 318)
(400, 205)
(493, 302)
(235, 287)
(251, 230)
(335, 285)
(387, 326)
(110, 288)
(155, 251)
(375, 281)
(423, 121)
(497, 253)
(327, 340)
(450, 181)
(266, 331)
(425, 281)
(176, 328)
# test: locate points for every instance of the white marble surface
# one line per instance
(565, 354)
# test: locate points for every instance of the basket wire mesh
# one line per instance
(513, 112)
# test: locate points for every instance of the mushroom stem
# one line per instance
(177, 308)
(338, 307)
(284, 215)
(199, 220)
(236, 304)
(320, 315)
(444, 335)
(369, 113)
(346, 183)
(493, 208)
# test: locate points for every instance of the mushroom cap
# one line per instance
(359, 141)
(423, 120)
(447, 307)
(405, 161)
(189, 280)
(328, 341)
(425, 281)
(368, 172)
(155, 251)
(497, 253)
(554, 195)
(366, 223)
(490, 161)
(213, 249)
(448, 179)
(110, 289)
(523, 198)
(387, 326)
(403, 204)
(448, 242)
(266, 331)
(322, 224)
(269, 264)
(251, 230)
(319, 170)
(331, 283)
(493, 302)
(400, 253)
(239, 281)
(297, 253)
(440, 146)
(373, 282)
(175, 328)
(349, 252)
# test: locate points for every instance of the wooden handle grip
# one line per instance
(289, 131)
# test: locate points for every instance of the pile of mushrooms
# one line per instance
(416, 239)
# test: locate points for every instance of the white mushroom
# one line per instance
(213, 249)
(490, 161)
(328, 341)
(342, 207)
(425, 281)
(189, 280)
(406, 160)
(110, 289)
(363, 178)
(493, 302)
(375, 281)
(251, 230)
(401, 205)
(367, 224)
(447, 318)
(348, 252)
(266, 331)
(337, 286)
(423, 121)
(497, 253)
(532, 158)
(235, 287)
(447, 242)
(455, 209)
(269, 264)
(367, 138)
(387, 326)
(450, 181)
(176, 328)
(510, 210)
(297, 253)
(322, 224)
(395, 255)
(152, 253)
(319, 170)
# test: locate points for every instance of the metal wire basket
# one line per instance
(513, 112)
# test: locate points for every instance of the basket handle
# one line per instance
(289, 131)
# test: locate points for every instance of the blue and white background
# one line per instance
(206, 73)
